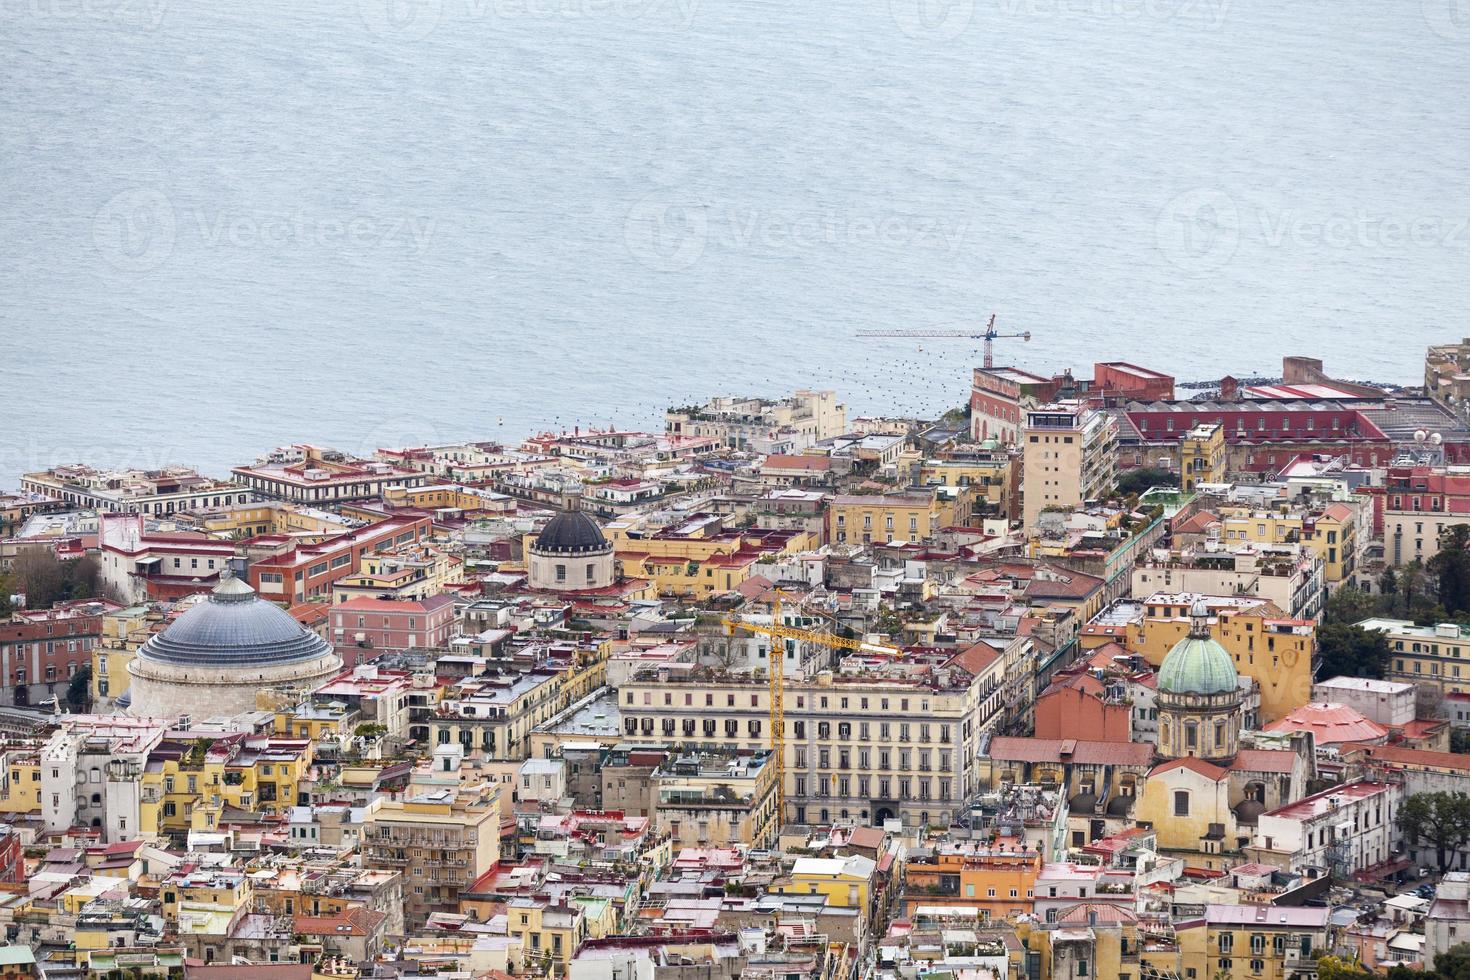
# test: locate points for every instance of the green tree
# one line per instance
(79, 688)
(1441, 820)
(1351, 651)
(1138, 480)
(1388, 583)
(1453, 963)
(1451, 569)
(1337, 968)
(1352, 605)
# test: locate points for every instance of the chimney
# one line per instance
(1229, 389)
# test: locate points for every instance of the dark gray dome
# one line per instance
(571, 533)
(234, 626)
(1249, 811)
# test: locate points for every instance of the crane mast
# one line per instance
(779, 633)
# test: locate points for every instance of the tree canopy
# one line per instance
(1352, 651)
(1441, 820)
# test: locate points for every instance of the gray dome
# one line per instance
(571, 533)
(234, 626)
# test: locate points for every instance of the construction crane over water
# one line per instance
(989, 336)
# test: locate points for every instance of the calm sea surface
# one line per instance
(227, 226)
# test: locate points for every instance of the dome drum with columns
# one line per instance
(1199, 697)
(571, 554)
(216, 657)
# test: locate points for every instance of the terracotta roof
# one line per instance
(1207, 769)
(1264, 760)
(1083, 752)
(811, 463)
(1330, 723)
(1398, 755)
(1089, 913)
(976, 657)
(1197, 523)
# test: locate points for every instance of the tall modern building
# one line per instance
(1070, 455)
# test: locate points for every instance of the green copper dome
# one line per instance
(1198, 664)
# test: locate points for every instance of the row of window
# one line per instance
(928, 787)
(823, 702)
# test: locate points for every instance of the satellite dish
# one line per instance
(1436, 439)
(1420, 435)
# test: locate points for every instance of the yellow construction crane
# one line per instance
(778, 633)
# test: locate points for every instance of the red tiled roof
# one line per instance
(1264, 760)
(1206, 769)
(1398, 755)
(811, 463)
(1330, 723)
(1083, 752)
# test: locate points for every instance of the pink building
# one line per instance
(363, 628)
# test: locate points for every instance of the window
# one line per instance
(1181, 805)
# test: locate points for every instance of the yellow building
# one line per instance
(1202, 455)
(416, 571)
(187, 784)
(20, 783)
(998, 882)
(1071, 456)
(1092, 939)
(909, 516)
(549, 933)
(1437, 656)
(462, 501)
(316, 722)
(1187, 803)
(988, 474)
(267, 517)
(1330, 534)
(123, 631)
(716, 800)
(846, 881)
(441, 836)
(1270, 942)
(1274, 651)
(700, 556)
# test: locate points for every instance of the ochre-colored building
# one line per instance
(998, 882)
(1272, 650)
